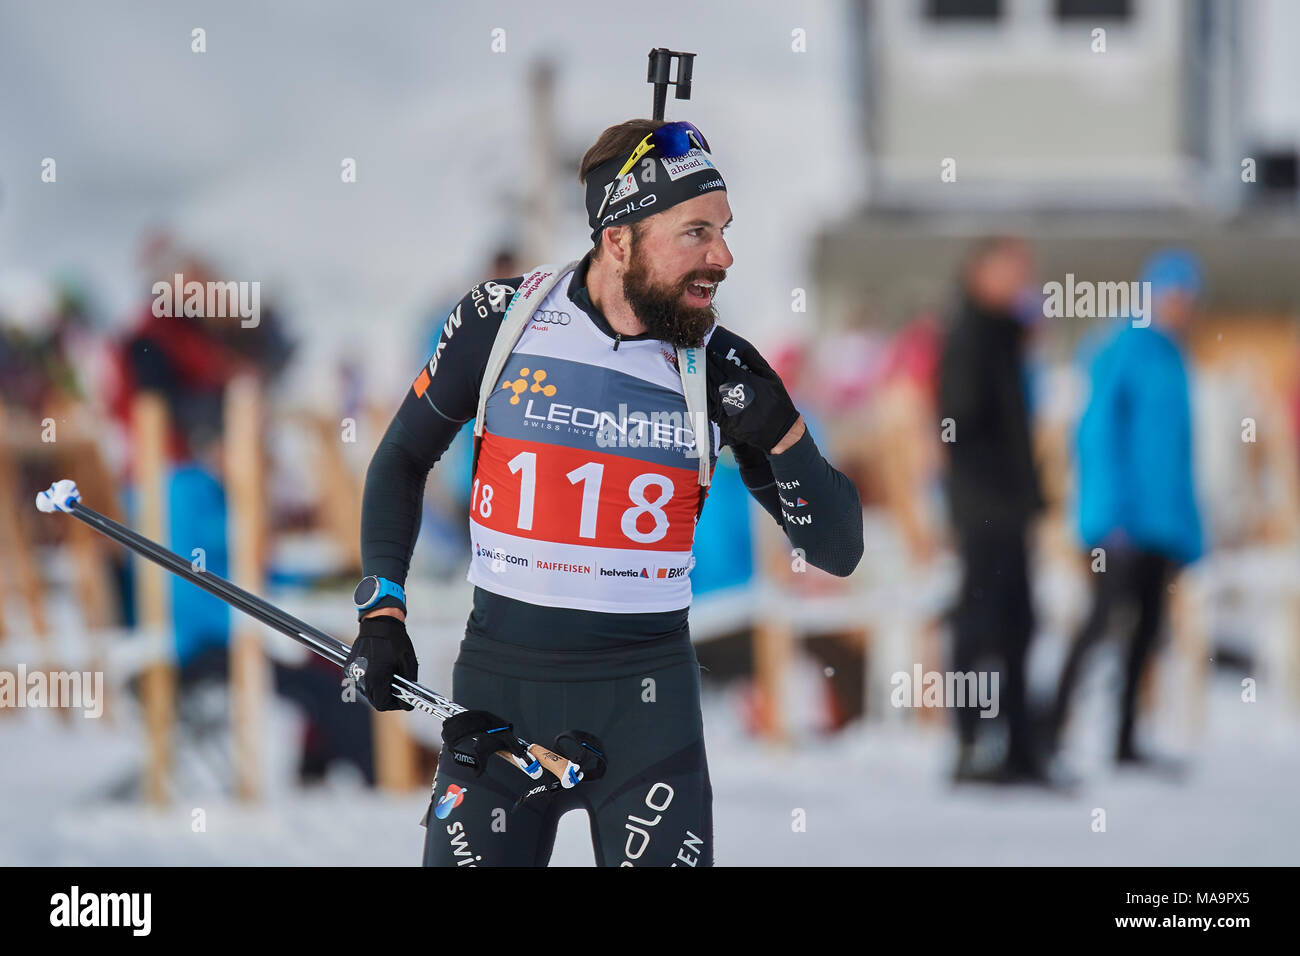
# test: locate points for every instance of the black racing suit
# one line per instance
(630, 679)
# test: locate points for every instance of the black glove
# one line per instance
(748, 458)
(748, 402)
(585, 750)
(381, 650)
(473, 736)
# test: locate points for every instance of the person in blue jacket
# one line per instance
(1137, 500)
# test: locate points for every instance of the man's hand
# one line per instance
(750, 404)
(381, 650)
(474, 735)
(792, 436)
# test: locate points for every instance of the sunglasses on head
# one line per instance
(671, 139)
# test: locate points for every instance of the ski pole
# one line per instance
(63, 496)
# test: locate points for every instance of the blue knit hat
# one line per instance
(1173, 270)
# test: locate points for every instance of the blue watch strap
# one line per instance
(385, 589)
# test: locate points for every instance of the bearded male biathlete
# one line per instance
(588, 481)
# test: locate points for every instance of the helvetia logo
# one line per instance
(623, 573)
(450, 801)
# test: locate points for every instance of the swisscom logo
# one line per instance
(450, 801)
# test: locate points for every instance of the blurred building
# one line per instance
(1099, 129)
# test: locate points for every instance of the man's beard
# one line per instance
(661, 308)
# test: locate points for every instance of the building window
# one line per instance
(957, 10)
(1094, 9)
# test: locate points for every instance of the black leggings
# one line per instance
(994, 618)
(1133, 579)
(653, 807)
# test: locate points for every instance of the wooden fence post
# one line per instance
(158, 679)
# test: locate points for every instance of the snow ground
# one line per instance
(876, 794)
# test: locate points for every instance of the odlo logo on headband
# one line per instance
(633, 206)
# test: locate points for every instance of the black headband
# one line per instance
(654, 184)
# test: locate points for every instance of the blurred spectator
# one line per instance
(905, 412)
(840, 655)
(38, 322)
(993, 494)
(201, 624)
(197, 519)
(1137, 499)
(191, 360)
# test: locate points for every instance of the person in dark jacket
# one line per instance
(993, 494)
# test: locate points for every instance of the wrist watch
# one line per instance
(372, 588)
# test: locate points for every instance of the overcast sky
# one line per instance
(239, 148)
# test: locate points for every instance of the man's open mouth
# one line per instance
(700, 293)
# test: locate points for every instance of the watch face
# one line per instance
(366, 591)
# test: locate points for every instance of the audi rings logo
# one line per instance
(551, 317)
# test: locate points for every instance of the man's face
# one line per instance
(998, 279)
(1173, 309)
(671, 253)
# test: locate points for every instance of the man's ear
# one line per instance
(617, 243)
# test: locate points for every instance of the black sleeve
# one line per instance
(441, 399)
(816, 505)
(820, 508)
(756, 473)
